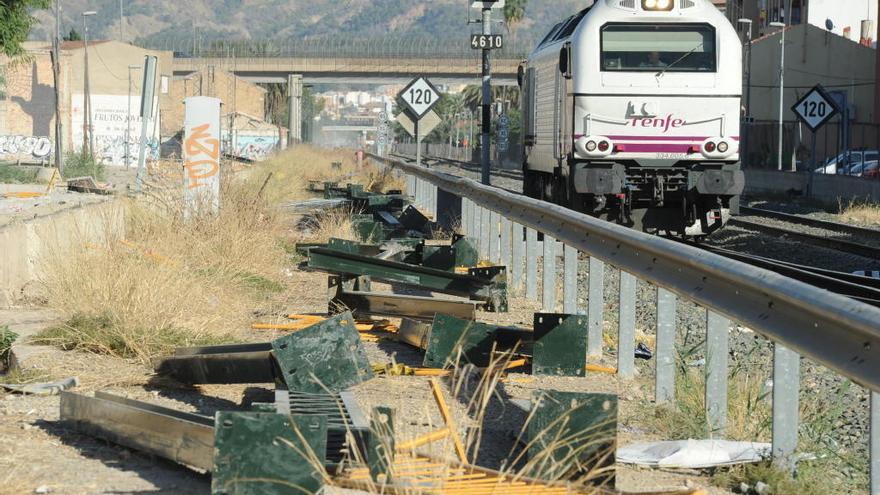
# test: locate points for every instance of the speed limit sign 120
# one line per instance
(816, 108)
(419, 96)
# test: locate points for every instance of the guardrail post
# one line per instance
(505, 242)
(717, 338)
(475, 222)
(411, 185)
(531, 263)
(664, 387)
(569, 280)
(548, 288)
(596, 307)
(432, 200)
(786, 412)
(874, 450)
(494, 233)
(466, 228)
(626, 329)
(485, 232)
(518, 255)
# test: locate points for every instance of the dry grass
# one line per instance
(862, 213)
(171, 282)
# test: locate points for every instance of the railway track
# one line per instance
(826, 241)
(861, 288)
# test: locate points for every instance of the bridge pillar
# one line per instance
(294, 109)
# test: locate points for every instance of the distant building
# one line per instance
(855, 20)
(27, 114)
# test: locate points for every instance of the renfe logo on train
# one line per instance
(669, 122)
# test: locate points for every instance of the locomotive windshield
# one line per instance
(663, 47)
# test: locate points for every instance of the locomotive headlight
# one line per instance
(591, 146)
(656, 5)
(723, 147)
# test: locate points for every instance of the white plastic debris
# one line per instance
(51, 388)
(693, 454)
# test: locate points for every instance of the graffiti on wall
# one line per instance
(110, 119)
(12, 146)
(253, 147)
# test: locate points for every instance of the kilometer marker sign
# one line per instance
(816, 108)
(419, 96)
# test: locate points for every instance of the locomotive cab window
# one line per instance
(654, 48)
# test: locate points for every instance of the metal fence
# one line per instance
(386, 47)
(838, 332)
(762, 139)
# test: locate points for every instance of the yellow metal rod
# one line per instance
(423, 440)
(450, 422)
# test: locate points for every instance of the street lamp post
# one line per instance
(88, 125)
(746, 127)
(781, 89)
(128, 117)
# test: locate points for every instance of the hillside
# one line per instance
(174, 24)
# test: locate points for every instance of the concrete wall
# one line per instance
(26, 244)
(238, 96)
(812, 56)
(826, 188)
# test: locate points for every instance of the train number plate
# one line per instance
(670, 156)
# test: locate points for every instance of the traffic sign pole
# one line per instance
(418, 144)
(487, 78)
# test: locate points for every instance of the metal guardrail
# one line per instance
(836, 331)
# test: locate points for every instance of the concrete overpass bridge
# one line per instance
(379, 61)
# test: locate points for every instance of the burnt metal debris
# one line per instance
(315, 426)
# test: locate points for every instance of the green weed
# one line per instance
(83, 165)
(101, 334)
(12, 174)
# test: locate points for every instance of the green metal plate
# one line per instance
(412, 219)
(347, 246)
(449, 335)
(380, 456)
(439, 257)
(560, 345)
(485, 284)
(326, 357)
(268, 454)
(465, 251)
(573, 436)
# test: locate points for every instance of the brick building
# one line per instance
(27, 107)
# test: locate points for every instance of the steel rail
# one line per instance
(834, 330)
(812, 222)
(815, 240)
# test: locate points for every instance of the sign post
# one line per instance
(419, 97)
(486, 7)
(815, 109)
(148, 94)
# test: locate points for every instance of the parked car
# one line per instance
(872, 170)
(844, 163)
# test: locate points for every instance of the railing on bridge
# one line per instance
(388, 47)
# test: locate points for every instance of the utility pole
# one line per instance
(56, 73)
(487, 110)
(121, 22)
(781, 26)
(88, 125)
(744, 133)
(128, 119)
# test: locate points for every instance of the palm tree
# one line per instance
(473, 95)
(514, 12)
